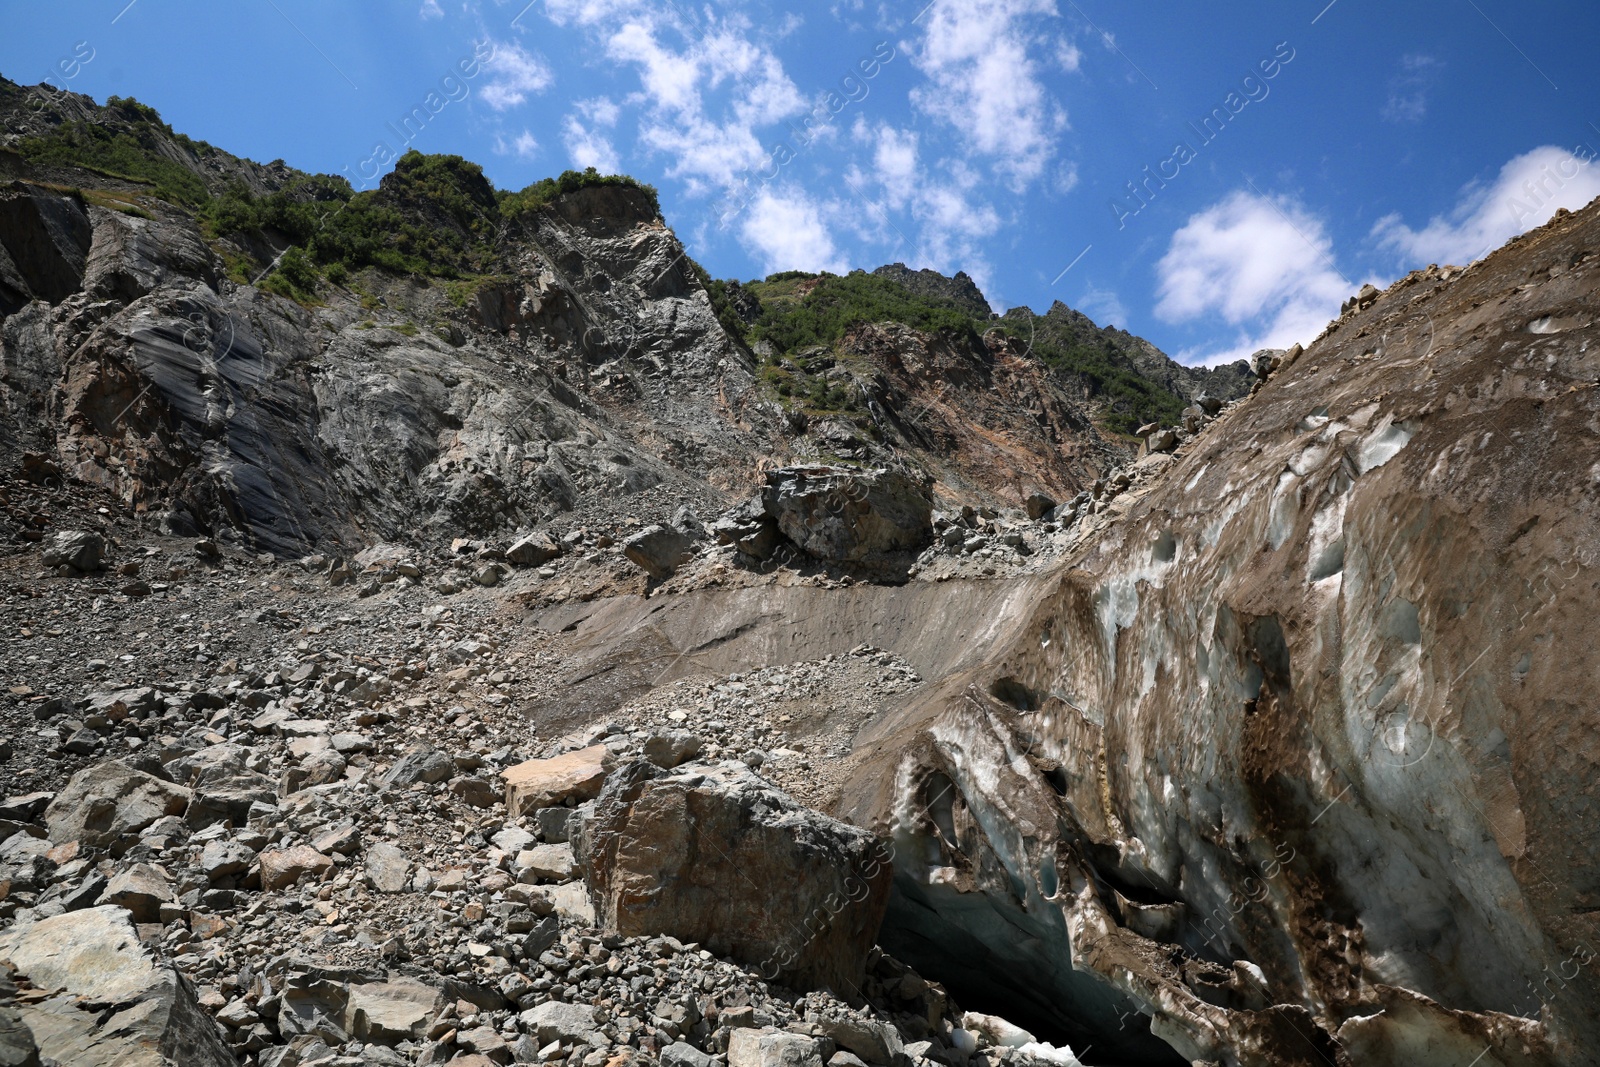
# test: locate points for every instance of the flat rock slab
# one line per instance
(542, 783)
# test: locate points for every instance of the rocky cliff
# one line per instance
(258, 354)
(1293, 763)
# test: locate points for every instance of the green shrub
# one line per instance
(834, 305)
(541, 192)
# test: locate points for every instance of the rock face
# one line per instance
(1311, 714)
(109, 1004)
(841, 514)
(716, 855)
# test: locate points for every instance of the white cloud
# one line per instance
(788, 230)
(1262, 265)
(983, 81)
(431, 10)
(514, 73)
(927, 213)
(587, 147)
(1103, 306)
(1409, 89)
(705, 88)
(590, 12)
(1067, 55)
(523, 145)
(1525, 195)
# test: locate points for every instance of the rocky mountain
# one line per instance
(960, 290)
(446, 626)
(264, 355)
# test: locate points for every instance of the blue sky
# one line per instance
(1216, 177)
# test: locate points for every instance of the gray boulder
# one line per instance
(772, 1048)
(423, 763)
(533, 551)
(658, 550)
(1162, 441)
(556, 1021)
(845, 515)
(82, 550)
(715, 854)
(669, 748)
(388, 867)
(105, 806)
(1039, 504)
(108, 1003)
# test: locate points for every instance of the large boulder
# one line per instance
(845, 515)
(422, 763)
(108, 1003)
(105, 806)
(543, 783)
(659, 550)
(141, 890)
(772, 1048)
(283, 867)
(82, 550)
(715, 854)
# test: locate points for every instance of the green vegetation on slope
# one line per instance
(1130, 400)
(800, 310)
(116, 153)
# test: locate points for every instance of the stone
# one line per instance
(25, 808)
(671, 747)
(281, 868)
(388, 867)
(1208, 403)
(542, 783)
(389, 1012)
(512, 839)
(103, 999)
(107, 805)
(1038, 504)
(476, 792)
(1162, 441)
(658, 550)
(683, 1054)
(535, 550)
(553, 823)
(716, 855)
(423, 763)
(748, 528)
(556, 1021)
(842, 514)
(82, 550)
(17, 1047)
(550, 863)
(141, 889)
(767, 1047)
(875, 1042)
